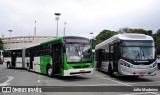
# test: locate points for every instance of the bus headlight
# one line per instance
(154, 65)
(125, 64)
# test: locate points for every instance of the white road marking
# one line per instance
(141, 93)
(113, 80)
(6, 82)
(100, 85)
(143, 82)
(45, 80)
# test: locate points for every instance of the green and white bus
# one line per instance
(65, 56)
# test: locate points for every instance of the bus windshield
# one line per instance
(138, 50)
(78, 52)
(138, 53)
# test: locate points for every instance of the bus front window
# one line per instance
(138, 50)
(78, 52)
(138, 53)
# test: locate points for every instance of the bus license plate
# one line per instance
(141, 73)
(82, 71)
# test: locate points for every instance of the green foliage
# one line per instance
(129, 30)
(141, 31)
(158, 45)
(105, 34)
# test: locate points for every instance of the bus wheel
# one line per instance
(110, 71)
(49, 71)
(8, 65)
(159, 66)
(28, 67)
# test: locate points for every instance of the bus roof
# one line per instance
(124, 36)
(56, 39)
(62, 38)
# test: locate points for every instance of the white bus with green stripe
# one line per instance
(65, 56)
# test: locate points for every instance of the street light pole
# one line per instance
(57, 18)
(91, 38)
(10, 32)
(35, 29)
(65, 28)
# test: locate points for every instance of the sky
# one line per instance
(82, 16)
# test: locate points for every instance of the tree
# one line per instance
(158, 46)
(156, 38)
(141, 31)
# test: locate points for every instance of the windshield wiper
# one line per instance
(142, 54)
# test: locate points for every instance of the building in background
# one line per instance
(23, 41)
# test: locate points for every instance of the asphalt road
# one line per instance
(22, 77)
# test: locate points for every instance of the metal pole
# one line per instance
(64, 28)
(91, 39)
(35, 29)
(57, 28)
(10, 32)
(57, 18)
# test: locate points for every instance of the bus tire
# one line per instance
(159, 66)
(110, 70)
(28, 67)
(8, 65)
(49, 71)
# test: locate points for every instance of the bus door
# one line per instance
(116, 56)
(31, 58)
(13, 58)
(99, 57)
(56, 57)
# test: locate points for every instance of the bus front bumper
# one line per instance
(138, 72)
(74, 72)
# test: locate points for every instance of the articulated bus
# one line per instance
(127, 54)
(65, 56)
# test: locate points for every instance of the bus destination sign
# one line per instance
(76, 41)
